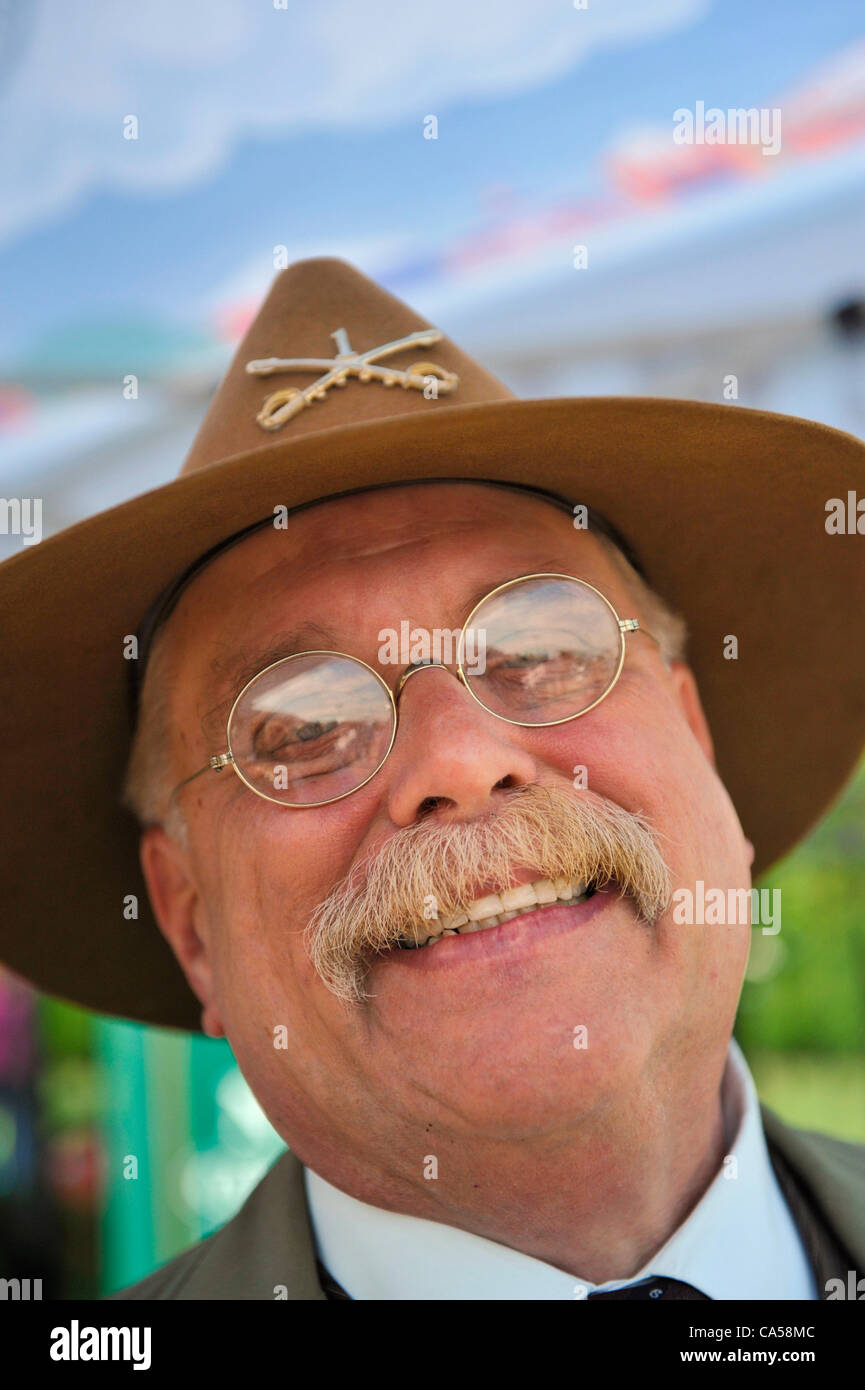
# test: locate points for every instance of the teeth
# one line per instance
(545, 891)
(482, 908)
(495, 908)
(434, 940)
(521, 896)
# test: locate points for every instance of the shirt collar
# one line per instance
(739, 1241)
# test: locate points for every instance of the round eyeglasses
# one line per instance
(314, 727)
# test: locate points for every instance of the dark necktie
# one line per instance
(656, 1287)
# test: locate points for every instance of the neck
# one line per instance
(598, 1205)
(597, 1199)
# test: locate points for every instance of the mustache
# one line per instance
(540, 828)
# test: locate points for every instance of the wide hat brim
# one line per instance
(724, 506)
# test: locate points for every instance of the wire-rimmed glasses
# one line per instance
(315, 726)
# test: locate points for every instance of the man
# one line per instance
(422, 774)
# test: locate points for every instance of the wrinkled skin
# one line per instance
(587, 1158)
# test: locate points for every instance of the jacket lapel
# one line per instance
(265, 1252)
(823, 1182)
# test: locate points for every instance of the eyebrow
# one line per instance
(548, 567)
(231, 670)
(239, 666)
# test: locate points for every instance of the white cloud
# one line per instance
(200, 74)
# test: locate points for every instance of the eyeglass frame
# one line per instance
(220, 760)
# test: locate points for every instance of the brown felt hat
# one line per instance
(724, 507)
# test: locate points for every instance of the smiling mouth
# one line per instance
(497, 908)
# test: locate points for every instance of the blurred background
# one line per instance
(510, 170)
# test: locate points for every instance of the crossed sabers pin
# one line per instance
(282, 405)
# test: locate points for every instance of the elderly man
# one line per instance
(425, 774)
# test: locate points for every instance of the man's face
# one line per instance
(476, 1036)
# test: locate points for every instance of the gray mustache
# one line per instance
(544, 829)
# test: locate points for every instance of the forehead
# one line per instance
(338, 571)
(372, 530)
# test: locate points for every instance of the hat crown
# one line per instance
(326, 310)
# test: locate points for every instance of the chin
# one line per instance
(528, 1083)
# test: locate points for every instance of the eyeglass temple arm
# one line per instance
(634, 625)
(214, 764)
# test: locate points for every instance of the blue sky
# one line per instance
(344, 170)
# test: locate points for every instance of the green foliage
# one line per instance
(822, 1092)
(805, 989)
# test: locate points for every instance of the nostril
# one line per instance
(435, 803)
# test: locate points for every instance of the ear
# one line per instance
(688, 697)
(178, 909)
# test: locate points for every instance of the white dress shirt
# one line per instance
(740, 1241)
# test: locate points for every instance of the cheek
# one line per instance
(666, 774)
(264, 870)
(642, 755)
(267, 871)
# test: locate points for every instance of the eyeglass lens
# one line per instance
(549, 649)
(311, 728)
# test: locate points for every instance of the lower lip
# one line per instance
(520, 934)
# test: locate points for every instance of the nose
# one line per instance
(451, 757)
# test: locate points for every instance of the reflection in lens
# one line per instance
(553, 649)
(311, 728)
